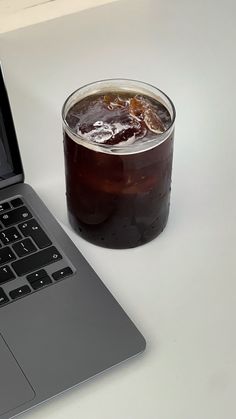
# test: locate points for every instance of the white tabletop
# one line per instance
(180, 289)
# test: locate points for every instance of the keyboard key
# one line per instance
(17, 202)
(36, 276)
(3, 297)
(41, 283)
(32, 228)
(19, 292)
(36, 261)
(6, 274)
(6, 255)
(24, 247)
(62, 273)
(15, 216)
(10, 235)
(4, 207)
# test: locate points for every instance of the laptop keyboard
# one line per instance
(25, 249)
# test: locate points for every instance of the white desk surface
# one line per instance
(179, 289)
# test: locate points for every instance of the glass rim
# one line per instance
(136, 147)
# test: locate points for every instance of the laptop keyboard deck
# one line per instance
(25, 249)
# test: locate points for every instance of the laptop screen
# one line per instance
(6, 166)
(10, 162)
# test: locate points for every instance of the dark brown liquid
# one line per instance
(117, 201)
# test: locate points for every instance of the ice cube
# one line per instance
(137, 107)
(115, 102)
(143, 110)
(153, 122)
(98, 133)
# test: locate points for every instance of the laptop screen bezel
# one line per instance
(17, 174)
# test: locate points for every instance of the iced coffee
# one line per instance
(118, 143)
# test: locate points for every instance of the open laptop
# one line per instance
(59, 325)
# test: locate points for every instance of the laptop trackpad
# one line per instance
(15, 390)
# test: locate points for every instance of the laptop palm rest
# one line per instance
(13, 392)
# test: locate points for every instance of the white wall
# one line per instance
(15, 14)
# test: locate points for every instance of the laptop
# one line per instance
(59, 324)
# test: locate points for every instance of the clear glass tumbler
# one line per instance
(118, 196)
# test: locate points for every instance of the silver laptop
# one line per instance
(59, 324)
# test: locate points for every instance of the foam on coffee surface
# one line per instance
(118, 118)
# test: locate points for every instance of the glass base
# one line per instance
(123, 237)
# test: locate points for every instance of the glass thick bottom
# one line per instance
(125, 228)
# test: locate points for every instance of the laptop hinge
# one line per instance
(11, 181)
